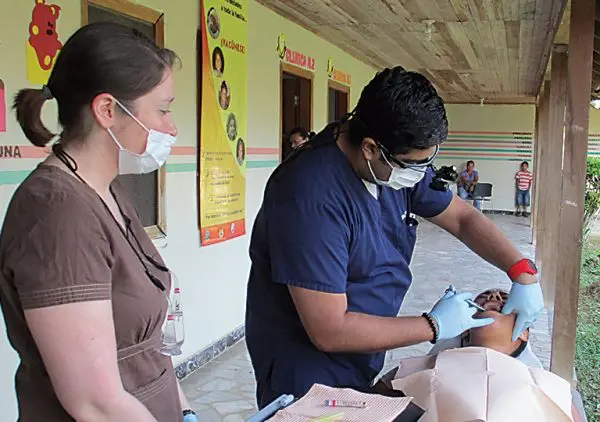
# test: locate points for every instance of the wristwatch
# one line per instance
(524, 266)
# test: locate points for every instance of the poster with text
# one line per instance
(223, 141)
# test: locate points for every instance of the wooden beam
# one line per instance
(573, 188)
(540, 169)
(536, 150)
(552, 171)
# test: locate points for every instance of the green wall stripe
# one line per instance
(521, 151)
(14, 177)
(260, 164)
(507, 137)
(181, 167)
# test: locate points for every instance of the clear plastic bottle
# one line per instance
(173, 334)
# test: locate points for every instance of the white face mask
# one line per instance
(158, 148)
(399, 178)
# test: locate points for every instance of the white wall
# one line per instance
(213, 279)
(486, 132)
(499, 173)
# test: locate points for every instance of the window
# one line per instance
(147, 191)
(296, 103)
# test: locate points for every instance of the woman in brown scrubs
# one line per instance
(83, 290)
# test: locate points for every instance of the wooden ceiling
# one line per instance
(497, 50)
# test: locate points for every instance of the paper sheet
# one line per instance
(478, 384)
(312, 405)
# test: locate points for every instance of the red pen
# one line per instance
(345, 403)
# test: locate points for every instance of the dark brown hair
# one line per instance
(99, 58)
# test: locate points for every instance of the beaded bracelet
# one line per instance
(433, 326)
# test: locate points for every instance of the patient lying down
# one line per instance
(497, 336)
(474, 377)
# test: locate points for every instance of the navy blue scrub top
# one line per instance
(319, 228)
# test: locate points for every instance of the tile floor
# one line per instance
(223, 390)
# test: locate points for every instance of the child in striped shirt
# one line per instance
(523, 179)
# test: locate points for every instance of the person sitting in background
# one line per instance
(298, 136)
(523, 180)
(466, 183)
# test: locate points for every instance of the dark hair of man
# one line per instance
(401, 110)
(524, 163)
(470, 162)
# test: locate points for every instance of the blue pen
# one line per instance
(272, 408)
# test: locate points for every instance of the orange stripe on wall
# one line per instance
(485, 154)
(29, 151)
(183, 150)
(263, 151)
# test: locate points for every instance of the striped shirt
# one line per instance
(524, 179)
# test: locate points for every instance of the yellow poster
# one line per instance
(337, 75)
(223, 141)
(43, 45)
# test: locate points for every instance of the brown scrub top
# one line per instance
(60, 245)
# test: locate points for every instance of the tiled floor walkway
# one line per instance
(223, 390)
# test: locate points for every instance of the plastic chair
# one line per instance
(483, 192)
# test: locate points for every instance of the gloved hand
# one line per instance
(190, 418)
(527, 301)
(454, 316)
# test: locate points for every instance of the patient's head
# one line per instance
(497, 336)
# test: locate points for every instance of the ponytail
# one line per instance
(28, 106)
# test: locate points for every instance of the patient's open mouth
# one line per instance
(492, 300)
(493, 305)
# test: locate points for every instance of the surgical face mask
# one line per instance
(158, 148)
(399, 178)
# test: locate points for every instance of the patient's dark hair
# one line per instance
(98, 58)
(401, 110)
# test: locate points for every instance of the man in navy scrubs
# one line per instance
(332, 243)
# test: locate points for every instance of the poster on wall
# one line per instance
(2, 107)
(223, 141)
(43, 45)
(294, 57)
(337, 75)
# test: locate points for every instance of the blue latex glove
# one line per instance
(527, 301)
(190, 418)
(454, 316)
